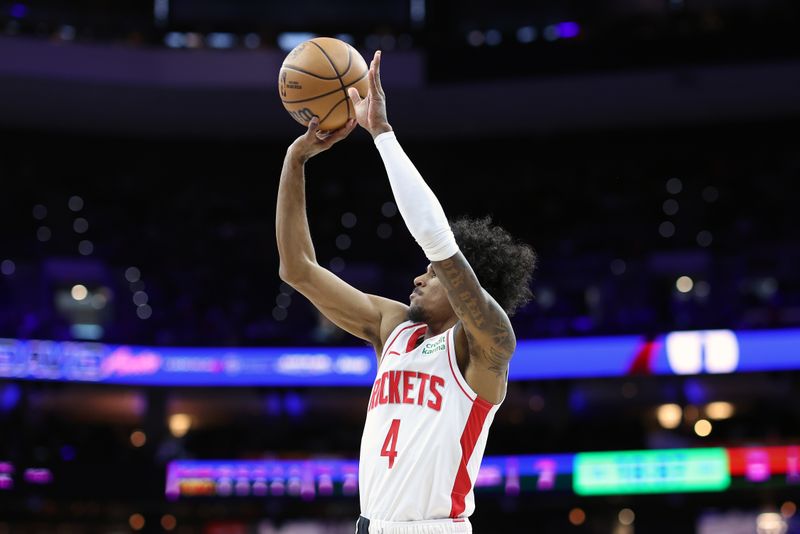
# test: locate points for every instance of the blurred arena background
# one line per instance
(157, 376)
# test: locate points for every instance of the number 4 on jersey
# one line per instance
(390, 443)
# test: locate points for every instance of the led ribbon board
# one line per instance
(675, 353)
(658, 471)
(587, 473)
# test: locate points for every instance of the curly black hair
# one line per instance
(504, 266)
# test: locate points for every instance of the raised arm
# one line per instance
(368, 317)
(485, 331)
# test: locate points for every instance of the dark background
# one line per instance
(660, 141)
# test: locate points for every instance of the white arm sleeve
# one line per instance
(419, 207)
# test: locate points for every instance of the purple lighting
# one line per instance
(18, 11)
(568, 30)
(38, 475)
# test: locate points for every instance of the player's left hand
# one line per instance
(315, 140)
(371, 111)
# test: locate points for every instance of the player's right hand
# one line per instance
(315, 140)
(371, 111)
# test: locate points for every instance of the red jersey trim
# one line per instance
(462, 485)
(386, 348)
(457, 375)
(412, 341)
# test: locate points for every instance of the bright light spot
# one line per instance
(138, 438)
(7, 267)
(577, 516)
(179, 424)
(349, 219)
(669, 415)
(136, 521)
(702, 428)
(288, 40)
(85, 247)
(43, 234)
(144, 311)
(568, 30)
(132, 274)
(140, 298)
(788, 509)
(476, 38)
(626, 516)
(79, 292)
(526, 34)
(770, 523)
(666, 229)
(75, 203)
(719, 410)
(493, 37)
(168, 522)
(684, 284)
(674, 186)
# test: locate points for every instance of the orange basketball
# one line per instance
(314, 79)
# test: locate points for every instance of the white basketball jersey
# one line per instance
(425, 432)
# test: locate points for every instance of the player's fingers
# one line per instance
(377, 62)
(354, 96)
(313, 126)
(373, 86)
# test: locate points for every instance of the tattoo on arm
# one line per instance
(469, 295)
(486, 325)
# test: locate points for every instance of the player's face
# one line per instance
(428, 300)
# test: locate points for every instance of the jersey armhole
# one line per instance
(460, 379)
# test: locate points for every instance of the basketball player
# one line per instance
(442, 359)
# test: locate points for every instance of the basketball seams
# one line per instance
(317, 76)
(333, 65)
(336, 105)
(325, 94)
